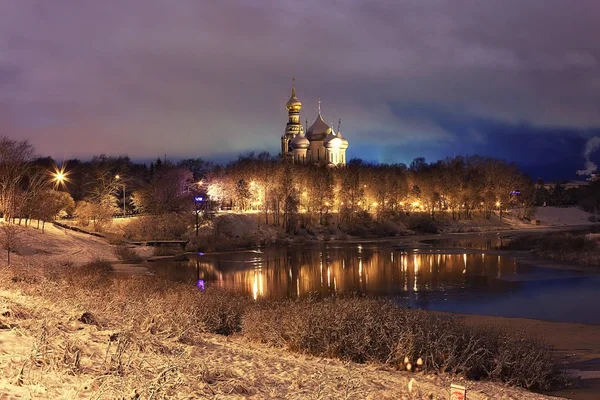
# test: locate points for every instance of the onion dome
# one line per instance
(293, 104)
(318, 130)
(300, 142)
(332, 141)
(343, 141)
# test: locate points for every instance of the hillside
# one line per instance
(56, 246)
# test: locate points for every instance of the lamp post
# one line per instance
(59, 176)
(197, 201)
(118, 177)
(499, 209)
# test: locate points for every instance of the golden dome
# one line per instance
(293, 103)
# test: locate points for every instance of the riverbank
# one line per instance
(55, 246)
(47, 251)
(68, 340)
(578, 345)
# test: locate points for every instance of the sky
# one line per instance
(515, 79)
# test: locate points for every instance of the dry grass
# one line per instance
(150, 326)
(126, 253)
(369, 330)
(578, 248)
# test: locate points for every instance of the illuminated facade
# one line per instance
(320, 145)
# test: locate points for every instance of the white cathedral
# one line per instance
(320, 145)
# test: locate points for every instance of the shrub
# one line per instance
(167, 226)
(422, 223)
(207, 243)
(221, 311)
(96, 267)
(579, 248)
(150, 310)
(362, 330)
(126, 253)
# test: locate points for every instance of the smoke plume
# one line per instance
(591, 146)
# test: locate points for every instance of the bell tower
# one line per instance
(293, 126)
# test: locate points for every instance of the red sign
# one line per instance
(458, 392)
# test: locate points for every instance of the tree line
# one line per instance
(287, 195)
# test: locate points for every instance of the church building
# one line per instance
(320, 145)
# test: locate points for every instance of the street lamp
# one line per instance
(118, 177)
(59, 176)
(197, 201)
(499, 209)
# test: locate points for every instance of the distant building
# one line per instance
(567, 185)
(320, 145)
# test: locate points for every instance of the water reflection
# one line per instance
(462, 282)
(482, 242)
(294, 271)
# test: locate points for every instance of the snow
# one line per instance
(562, 216)
(56, 246)
(223, 367)
(217, 367)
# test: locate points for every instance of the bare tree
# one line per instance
(15, 158)
(9, 238)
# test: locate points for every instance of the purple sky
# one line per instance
(210, 78)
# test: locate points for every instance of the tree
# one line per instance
(197, 166)
(15, 158)
(168, 192)
(98, 213)
(242, 194)
(9, 238)
(52, 203)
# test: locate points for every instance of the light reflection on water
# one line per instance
(468, 283)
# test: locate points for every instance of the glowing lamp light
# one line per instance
(199, 198)
(200, 284)
(59, 176)
(497, 204)
(200, 253)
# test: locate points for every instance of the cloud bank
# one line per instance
(195, 78)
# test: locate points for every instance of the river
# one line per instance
(454, 276)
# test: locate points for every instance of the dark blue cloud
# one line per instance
(543, 152)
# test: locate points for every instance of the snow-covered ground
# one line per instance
(37, 360)
(231, 366)
(56, 246)
(562, 216)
